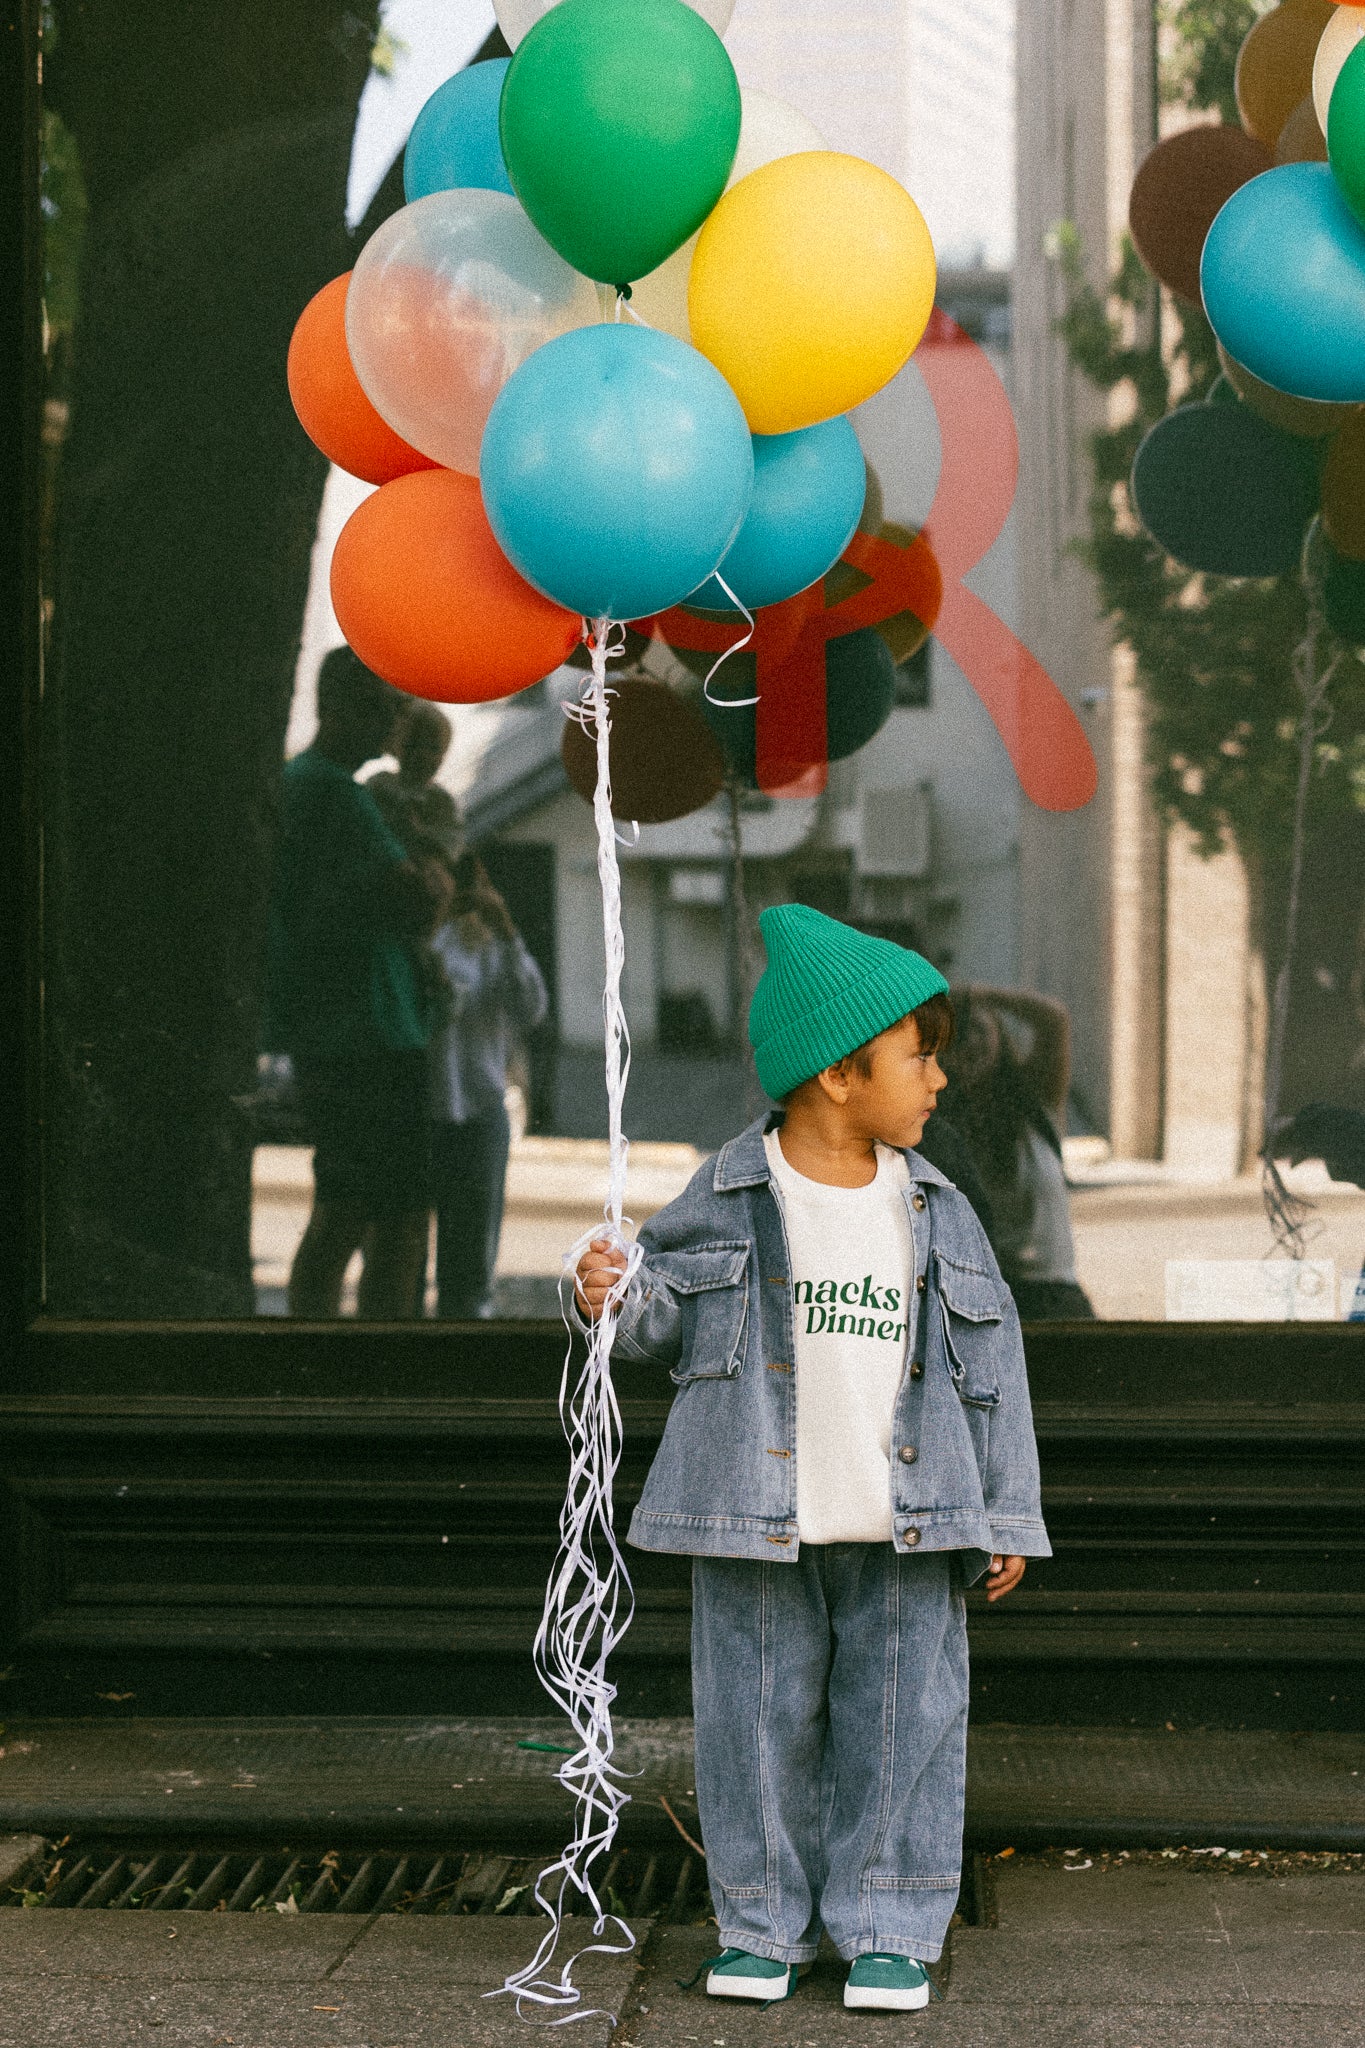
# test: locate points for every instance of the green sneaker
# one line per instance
(887, 1983)
(736, 1974)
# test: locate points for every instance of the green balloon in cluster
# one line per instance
(619, 124)
(1346, 131)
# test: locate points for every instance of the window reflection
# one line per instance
(347, 1059)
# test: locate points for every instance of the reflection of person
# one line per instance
(348, 910)
(1011, 1108)
(497, 994)
(850, 1444)
(422, 814)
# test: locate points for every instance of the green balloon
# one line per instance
(1346, 131)
(619, 122)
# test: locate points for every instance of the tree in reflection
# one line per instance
(213, 147)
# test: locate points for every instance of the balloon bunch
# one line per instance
(540, 461)
(1266, 224)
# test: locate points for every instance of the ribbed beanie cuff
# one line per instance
(825, 991)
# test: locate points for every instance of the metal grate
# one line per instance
(668, 1885)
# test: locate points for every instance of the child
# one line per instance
(850, 1447)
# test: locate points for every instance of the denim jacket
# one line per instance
(713, 1302)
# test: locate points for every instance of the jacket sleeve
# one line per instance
(1010, 1483)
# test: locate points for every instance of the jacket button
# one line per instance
(917, 1371)
(910, 1538)
(918, 1202)
(908, 1454)
(921, 1284)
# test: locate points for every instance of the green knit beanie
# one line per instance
(825, 991)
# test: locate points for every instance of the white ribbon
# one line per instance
(589, 1600)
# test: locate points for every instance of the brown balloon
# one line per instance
(1275, 65)
(1301, 140)
(1343, 489)
(665, 760)
(1312, 419)
(1180, 186)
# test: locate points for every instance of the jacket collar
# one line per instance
(743, 1162)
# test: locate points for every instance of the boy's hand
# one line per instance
(598, 1269)
(1004, 1575)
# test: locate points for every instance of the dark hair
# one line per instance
(936, 1023)
(344, 679)
(996, 1108)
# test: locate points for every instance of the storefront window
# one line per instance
(1115, 960)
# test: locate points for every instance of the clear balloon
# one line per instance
(768, 129)
(517, 17)
(447, 299)
(1339, 38)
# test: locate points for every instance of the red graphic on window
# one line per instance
(977, 479)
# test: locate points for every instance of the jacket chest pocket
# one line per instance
(969, 1302)
(712, 1288)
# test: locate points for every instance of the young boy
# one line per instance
(850, 1447)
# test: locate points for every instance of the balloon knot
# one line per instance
(623, 291)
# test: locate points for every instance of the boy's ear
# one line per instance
(835, 1081)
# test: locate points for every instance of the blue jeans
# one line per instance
(469, 1173)
(831, 1716)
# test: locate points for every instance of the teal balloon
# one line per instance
(1346, 131)
(616, 468)
(1283, 276)
(860, 694)
(809, 489)
(454, 144)
(620, 122)
(1223, 491)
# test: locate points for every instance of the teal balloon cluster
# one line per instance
(1228, 487)
(1283, 269)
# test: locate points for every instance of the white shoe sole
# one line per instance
(886, 2001)
(761, 1988)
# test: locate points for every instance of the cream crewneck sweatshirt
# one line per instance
(854, 1311)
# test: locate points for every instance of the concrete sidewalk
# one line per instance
(1104, 1954)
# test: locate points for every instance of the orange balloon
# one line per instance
(1343, 489)
(428, 600)
(1275, 65)
(333, 410)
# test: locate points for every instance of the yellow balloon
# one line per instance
(811, 286)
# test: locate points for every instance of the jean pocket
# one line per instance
(712, 1285)
(972, 1317)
